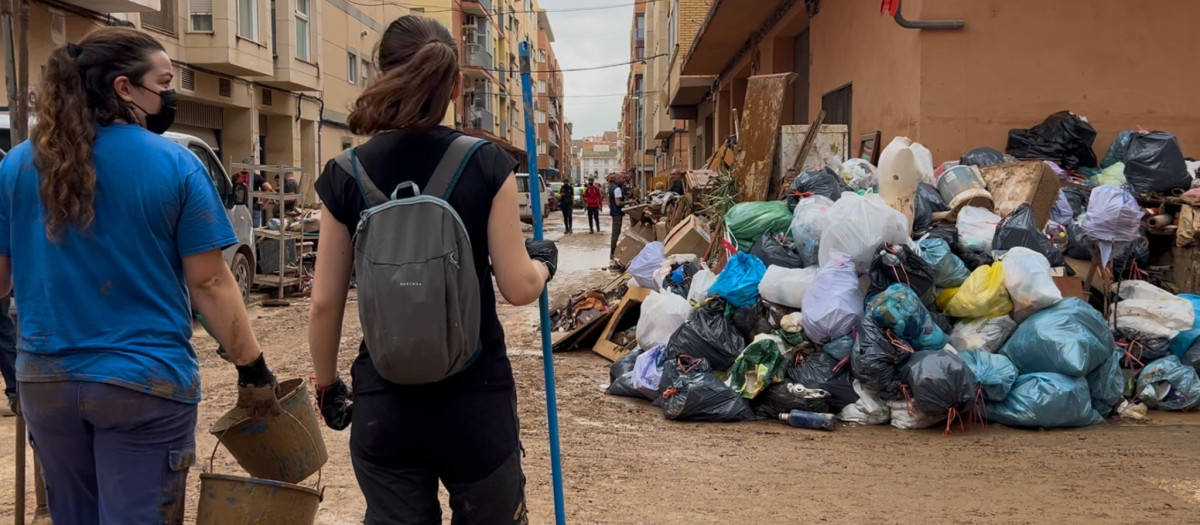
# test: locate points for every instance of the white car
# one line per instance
(523, 198)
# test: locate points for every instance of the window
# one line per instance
(541, 117)
(351, 67)
(541, 86)
(248, 19)
(200, 15)
(542, 56)
(541, 148)
(347, 142)
(163, 19)
(368, 71)
(303, 48)
(673, 29)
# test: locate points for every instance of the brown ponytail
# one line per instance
(419, 61)
(76, 95)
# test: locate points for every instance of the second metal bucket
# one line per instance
(287, 448)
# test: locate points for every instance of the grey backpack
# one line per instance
(418, 294)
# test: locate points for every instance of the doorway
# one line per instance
(837, 106)
(800, 61)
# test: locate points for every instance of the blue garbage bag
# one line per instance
(899, 309)
(1045, 400)
(994, 372)
(841, 347)
(1116, 150)
(1184, 340)
(1107, 384)
(1069, 338)
(738, 282)
(1169, 385)
(949, 271)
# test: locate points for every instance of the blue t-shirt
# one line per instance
(110, 304)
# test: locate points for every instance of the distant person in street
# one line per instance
(593, 198)
(111, 235)
(566, 203)
(290, 187)
(616, 203)
(676, 182)
(460, 432)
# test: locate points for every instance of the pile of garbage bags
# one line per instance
(839, 302)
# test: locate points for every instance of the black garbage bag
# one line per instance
(1134, 257)
(821, 371)
(781, 398)
(679, 281)
(1020, 229)
(940, 320)
(1154, 162)
(708, 335)
(621, 375)
(824, 182)
(981, 157)
(1062, 137)
(1077, 198)
(698, 395)
(945, 232)
(929, 201)
(773, 250)
(1141, 351)
(753, 320)
(897, 263)
(1075, 248)
(1192, 356)
(673, 368)
(876, 361)
(939, 381)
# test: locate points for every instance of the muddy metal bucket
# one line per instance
(287, 448)
(235, 500)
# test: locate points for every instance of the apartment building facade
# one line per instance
(953, 74)
(598, 156)
(274, 81)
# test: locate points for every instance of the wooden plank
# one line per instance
(758, 136)
(802, 154)
(633, 298)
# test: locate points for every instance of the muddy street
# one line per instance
(625, 464)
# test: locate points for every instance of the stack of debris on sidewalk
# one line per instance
(1048, 292)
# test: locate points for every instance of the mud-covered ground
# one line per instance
(625, 464)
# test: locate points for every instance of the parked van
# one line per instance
(240, 257)
(523, 199)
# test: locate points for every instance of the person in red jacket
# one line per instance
(593, 198)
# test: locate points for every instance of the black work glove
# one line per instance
(336, 404)
(544, 251)
(257, 389)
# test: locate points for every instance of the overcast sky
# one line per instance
(588, 39)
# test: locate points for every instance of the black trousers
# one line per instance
(568, 213)
(593, 219)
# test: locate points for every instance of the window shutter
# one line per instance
(201, 7)
(163, 19)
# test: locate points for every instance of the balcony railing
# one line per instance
(485, 4)
(478, 56)
(482, 119)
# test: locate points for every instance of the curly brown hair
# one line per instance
(76, 95)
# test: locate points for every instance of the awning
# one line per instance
(729, 24)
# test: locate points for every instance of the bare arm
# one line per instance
(519, 278)
(330, 286)
(216, 296)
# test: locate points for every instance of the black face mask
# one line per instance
(160, 122)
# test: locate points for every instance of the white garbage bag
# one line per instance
(662, 314)
(976, 229)
(924, 159)
(907, 417)
(786, 286)
(808, 223)
(1112, 221)
(868, 410)
(1151, 311)
(645, 264)
(700, 284)
(833, 304)
(855, 226)
(858, 174)
(987, 334)
(1030, 285)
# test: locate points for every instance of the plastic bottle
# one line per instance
(809, 420)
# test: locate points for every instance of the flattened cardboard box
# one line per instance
(1031, 182)
(628, 247)
(689, 236)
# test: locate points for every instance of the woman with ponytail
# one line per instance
(111, 235)
(462, 430)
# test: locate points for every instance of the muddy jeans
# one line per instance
(110, 455)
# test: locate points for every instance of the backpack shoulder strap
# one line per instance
(349, 162)
(448, 171)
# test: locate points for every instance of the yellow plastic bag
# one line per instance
(982, 295)
(944, 297)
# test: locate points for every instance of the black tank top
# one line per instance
(392, 158)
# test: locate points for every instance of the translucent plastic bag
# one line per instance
(868, 410)
(982, 295)
(748, 221)
(855, 226)
(833, 303)
(995, 373)
(1045, 400)
(859, 174)
(1150, 310)
(785, 286)
(1027, 277)
(1169, 385)
(1069, 338)
(986, 334)
(949, 270)
(905, 416)
(808, 222)
(899, 309)
(976, 229)
(1113, 219)
(701, 282)
(662, 314)
(648, 370)
(646, 263)
(738, 282)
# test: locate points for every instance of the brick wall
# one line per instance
(691, 17)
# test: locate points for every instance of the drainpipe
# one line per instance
(925, 24)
